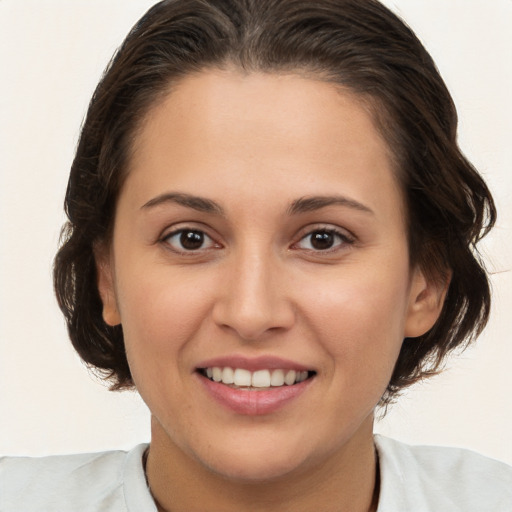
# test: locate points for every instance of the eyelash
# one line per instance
(179, 233)
(343, 239)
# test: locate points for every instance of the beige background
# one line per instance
(52, 53)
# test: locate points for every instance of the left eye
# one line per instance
(186, 240)
(323, 240)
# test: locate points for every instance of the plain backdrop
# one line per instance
(52, 53)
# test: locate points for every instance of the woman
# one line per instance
(271, 232)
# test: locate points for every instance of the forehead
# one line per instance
(226, 130)
(216, 101)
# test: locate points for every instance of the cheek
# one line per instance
(161, 318)
(160, 313)
(360, 322)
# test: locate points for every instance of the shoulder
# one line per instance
(87, 482)
(432, 478)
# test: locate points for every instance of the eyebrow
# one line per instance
(301, 205)
(200, 204)
(312, 203)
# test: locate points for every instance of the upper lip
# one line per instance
(253, 364)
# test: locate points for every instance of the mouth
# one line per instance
(259, 380)
(255, 386)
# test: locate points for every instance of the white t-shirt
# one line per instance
(413, 479)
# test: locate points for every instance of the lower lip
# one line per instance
(254, 402)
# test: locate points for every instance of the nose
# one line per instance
(254, 299)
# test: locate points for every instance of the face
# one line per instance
(260, 238)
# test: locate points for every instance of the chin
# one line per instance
(254, 468)
(257, 458)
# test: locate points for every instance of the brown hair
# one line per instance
(357, 44)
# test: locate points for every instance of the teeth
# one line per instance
(228, 376)
(217, 374)
(258, 379)
(277, 378)
(289, 378)
(301, 376)
(261, 379)
(242, 377)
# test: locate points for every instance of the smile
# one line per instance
(240, 378)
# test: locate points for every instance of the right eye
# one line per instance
(189, 240)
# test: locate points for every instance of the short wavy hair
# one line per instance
(357, 44)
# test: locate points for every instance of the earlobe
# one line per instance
(426, 300)
(106, 290)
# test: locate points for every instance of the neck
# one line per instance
(345, 481)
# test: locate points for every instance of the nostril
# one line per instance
(253, 307)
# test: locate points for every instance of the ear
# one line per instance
(426, 300)
(105, 283)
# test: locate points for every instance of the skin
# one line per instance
(255, 144)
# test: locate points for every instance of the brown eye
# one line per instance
(188, 240)
(191, 240)
(324, 240)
